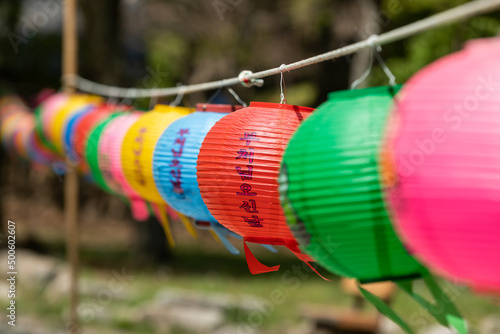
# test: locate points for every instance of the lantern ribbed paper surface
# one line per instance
(138, 147)
(91, 153)
(175, 158)
(110, 162)
(9, 126)
(332, 197)
(73, 105)
(331, 189)
(238, 167)
(23, 135)
(84, 126)
(44, 115)
(70, 129)
(446, 149)
(37, 151)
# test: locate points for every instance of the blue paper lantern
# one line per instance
(70, 127)
(175, 159)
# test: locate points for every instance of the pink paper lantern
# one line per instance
(444, 152)
(110, 150)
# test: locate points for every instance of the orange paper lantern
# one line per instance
(238, 167)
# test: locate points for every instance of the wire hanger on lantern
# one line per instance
(236, 96)
(231, 91)
(375, 50)
(217, 92)
(179, 96)
(153, 101)
(282, 84)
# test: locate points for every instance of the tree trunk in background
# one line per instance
(369, 24)
(101, 58)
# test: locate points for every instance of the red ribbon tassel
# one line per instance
(254, 265)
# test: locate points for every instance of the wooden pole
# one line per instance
(70, 66)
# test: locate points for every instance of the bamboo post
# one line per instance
(70, 66)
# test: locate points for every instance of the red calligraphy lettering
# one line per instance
(245, 188)
(249, 136)
(254, 221)
(244, 154)
(177, 154)
(250, 206)
(180, 141)
(245, 175)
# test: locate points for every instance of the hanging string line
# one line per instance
(248, 78)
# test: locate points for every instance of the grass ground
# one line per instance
(202, 266)
(198, 270)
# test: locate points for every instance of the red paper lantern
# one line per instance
(238, 168)
(83, 129)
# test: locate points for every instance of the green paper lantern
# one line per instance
(331, 194)
(91, 152)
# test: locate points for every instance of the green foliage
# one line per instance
(407, 57)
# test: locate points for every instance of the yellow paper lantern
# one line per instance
(73, 105)
(138, 148)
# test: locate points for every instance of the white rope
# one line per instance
(247, 78)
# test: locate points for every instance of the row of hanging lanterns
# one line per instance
(330, 185)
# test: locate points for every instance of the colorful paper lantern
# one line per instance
(174, 165)
(82, 129)
(138, 148)
(44, 115)
(238, 166)
(175, 157)
(333, 200)
(444, 149)
(74, 105)
(110, 162)
(22, 136)
(137, 156)
(17, 125)
(331, 189)
(9, 126)
(70, 129)
(37, 151)
(91, 153)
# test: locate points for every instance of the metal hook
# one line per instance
(282, 84)
(233, 93)
(179, 96)
(153, 100)
(375, 50)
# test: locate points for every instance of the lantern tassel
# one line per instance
(187, 224)
(304, 258)
(445, 313)
(139, 209)
(385, 309)
(254, 265)
(221, 236)
(449, 316)
(163, 218)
